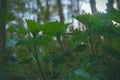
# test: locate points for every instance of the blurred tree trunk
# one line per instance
(61, 15)
(93, 6)
(47, 10)
(71, 9)
(3, 11)
(110, 4)
(40, 9)
(78, 8)
(118, 4)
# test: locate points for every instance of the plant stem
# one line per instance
(39, 65)
(51, 70)
(92, 47)
(91, 42)
(32, 53)
(60, 43)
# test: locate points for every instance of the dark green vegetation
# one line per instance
(48, 52)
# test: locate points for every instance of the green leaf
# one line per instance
(43, 40)
(114, 15)
(79, 36)
(94, 20)
(11, 29)
(54, 28)
(33, 27)
(83, 18)
(22, 30)
(12, 42)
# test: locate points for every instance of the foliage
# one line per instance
(93, 54)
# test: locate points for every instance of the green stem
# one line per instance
(60, 43)
(91, 42)
(51, 70)
(92, 48)
(33, 55)
(39, 65)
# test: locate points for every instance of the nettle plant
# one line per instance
(48, 52)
